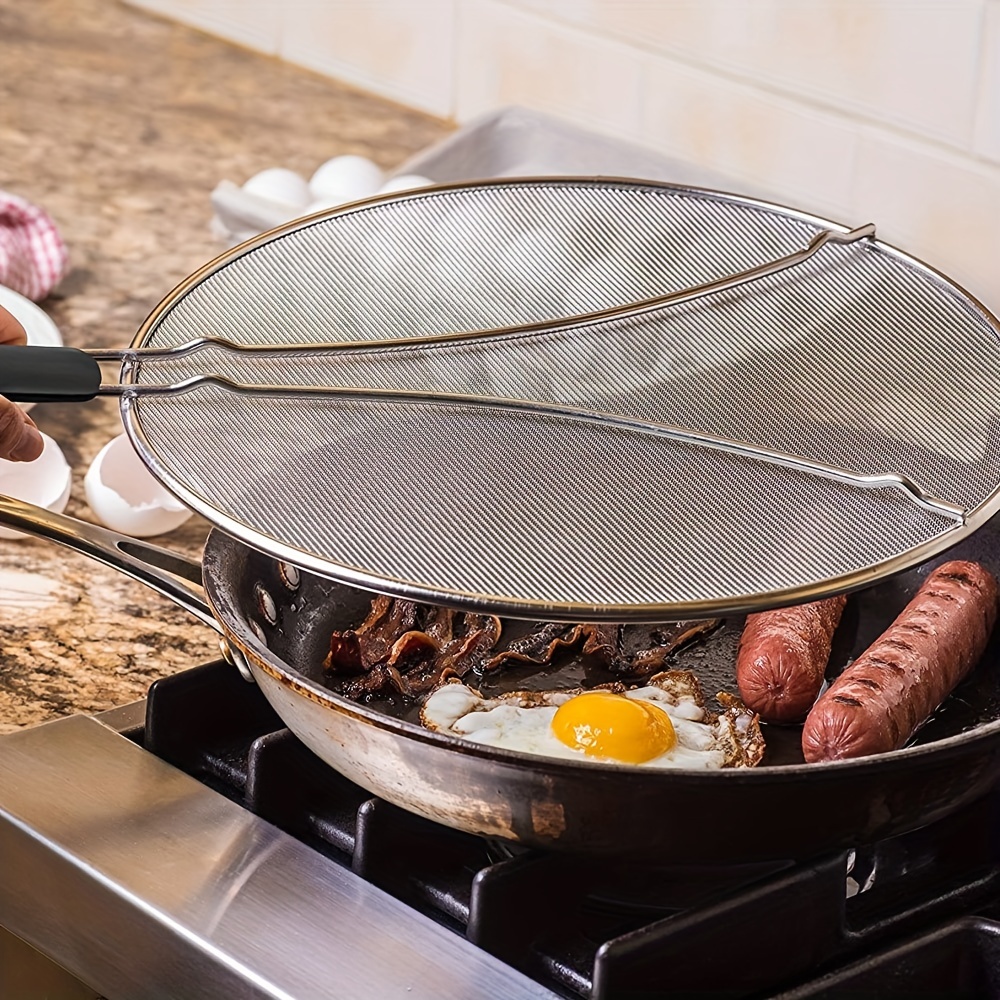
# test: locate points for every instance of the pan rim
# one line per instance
(524, 607)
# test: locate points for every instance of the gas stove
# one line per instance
(190, 847)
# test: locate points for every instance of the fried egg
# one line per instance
(664, 724)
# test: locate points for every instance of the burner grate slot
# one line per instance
(429, 866)
(293, 789)
(957, 961)
(203, 720)
(752, 929)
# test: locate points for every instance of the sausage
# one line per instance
(878, 702)
(782, 658)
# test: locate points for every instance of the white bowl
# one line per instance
(41, 331)
(125, 496)
(46, 482)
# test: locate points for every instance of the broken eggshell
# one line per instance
(125, 497)
(46, 482)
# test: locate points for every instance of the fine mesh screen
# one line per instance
(857, 359)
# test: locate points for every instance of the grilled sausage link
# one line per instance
(880, 700)
(782, 658)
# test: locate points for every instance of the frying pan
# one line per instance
(275, 621)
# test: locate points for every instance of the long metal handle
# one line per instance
(549, 408)
(168, 573)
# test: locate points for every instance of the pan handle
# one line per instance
(175, 576)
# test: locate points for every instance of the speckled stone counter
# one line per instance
(120, 124)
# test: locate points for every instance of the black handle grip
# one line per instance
(48, 374)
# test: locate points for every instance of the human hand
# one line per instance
(19, 438)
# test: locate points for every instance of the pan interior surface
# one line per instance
(811, 430)
(291, 628)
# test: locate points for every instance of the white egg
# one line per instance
(321, 205)
(527, 721)
(404, 182)
(279, 185)
(344, 179)
(46, 482)
(125, 496)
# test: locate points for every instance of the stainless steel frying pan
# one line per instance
(275, 621)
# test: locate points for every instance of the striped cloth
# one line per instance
(33, 256)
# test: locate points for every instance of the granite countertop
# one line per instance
(119, 124)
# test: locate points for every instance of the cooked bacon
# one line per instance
(378, 641)
(411, 649)
(377, 657)
(604, 642)
(357, 651)
(379, 609)
(469, 652)
(599, 640)
(439, 624)
(378, 678)
(538, 647)
(670, 639)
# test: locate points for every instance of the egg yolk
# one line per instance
(602, 724)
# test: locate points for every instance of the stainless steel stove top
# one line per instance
(142, 882)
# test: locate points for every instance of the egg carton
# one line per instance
(508, 142)
(278, 195)
(518, 142)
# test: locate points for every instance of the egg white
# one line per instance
(522, 721)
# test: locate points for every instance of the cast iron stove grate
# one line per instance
(914, 916)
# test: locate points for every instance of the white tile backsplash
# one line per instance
(507, 56)
(886, 110)
(797, 153)
(987, 136)
(911, 63)
(940, 207)
(253, 23)
(397, 48)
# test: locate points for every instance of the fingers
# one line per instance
(11, 332)
(19, 438)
